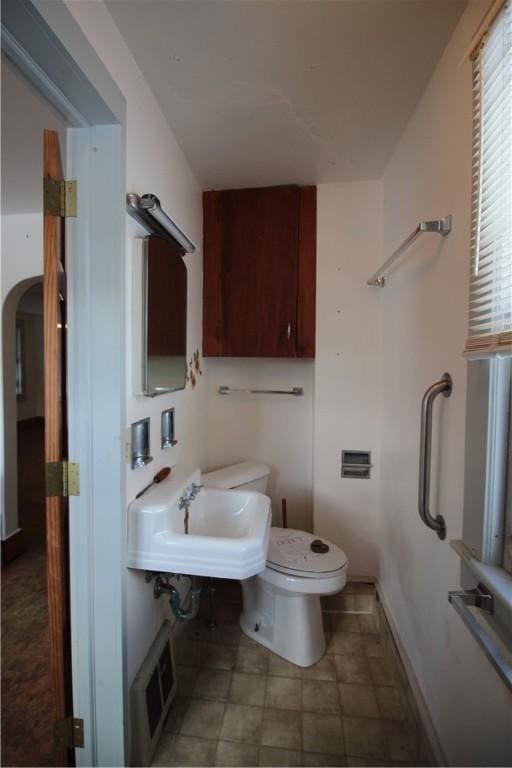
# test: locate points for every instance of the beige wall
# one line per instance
(423, 318)
(346, 406)
(274, 429)
(154, 163)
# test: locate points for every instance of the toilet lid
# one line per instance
(290, 551)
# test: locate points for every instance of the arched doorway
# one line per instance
(26, 682)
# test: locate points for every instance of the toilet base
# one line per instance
(289, 625)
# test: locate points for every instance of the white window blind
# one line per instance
(490, 300)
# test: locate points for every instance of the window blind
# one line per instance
(490, 299)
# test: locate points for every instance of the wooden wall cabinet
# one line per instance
(259, 250)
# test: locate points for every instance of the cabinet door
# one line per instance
(251, 243)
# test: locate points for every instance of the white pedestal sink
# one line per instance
(228, 530)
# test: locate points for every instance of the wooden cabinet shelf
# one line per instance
(259, 251)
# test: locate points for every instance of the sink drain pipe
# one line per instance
(162, 586)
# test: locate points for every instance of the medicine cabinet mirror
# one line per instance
(165, 318)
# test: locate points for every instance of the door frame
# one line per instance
(56, 56)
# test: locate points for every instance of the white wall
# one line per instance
(346, 403)
(274, 429)
(154, 163)
(24, 116)
(423, 319)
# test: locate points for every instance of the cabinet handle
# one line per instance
(289, 331)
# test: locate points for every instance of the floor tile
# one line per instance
(282, 667)
(316, 759)
(283, 693)
(229, 612)
(212, 684)
(187, 677)
(353, 669)
(373, 647)
(245, 640)
(252, 659)
(397, 742)
(364, 603)
(165, 749)
(345, 622)
(176, 714)
(247, 689)
(320, 696)
(185, 751)
(348, 644)
(229, 634)
(242, 723)
(230, 753)
(391, 703)
(365, 738)
(368, 623)
(203, 718)
(192, 653)
(322, 670)
(281, 728)
(381, 672)
(322, 733)
(218, 656)
(272, 756)
(358, 700)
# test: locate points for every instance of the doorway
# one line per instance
(27, 717)
(49, 48)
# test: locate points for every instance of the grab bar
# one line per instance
(443, 227)
(443, 386)
(229, 390)
(482, 598)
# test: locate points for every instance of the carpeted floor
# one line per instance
(26, 717)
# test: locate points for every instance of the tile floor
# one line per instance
(240, 705)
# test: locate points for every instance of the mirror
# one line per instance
(165, 313)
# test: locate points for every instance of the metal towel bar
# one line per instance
(297, 391)
(443, 386)
(443, 227)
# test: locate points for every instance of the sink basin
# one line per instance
(228, 530)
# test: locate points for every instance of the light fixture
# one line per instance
(148, 212)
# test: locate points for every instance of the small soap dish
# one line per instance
(140, 444)
(167, 428)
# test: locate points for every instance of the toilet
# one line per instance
(281, 605)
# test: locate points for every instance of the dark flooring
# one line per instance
(26, 713)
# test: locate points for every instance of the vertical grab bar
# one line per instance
(443, 386)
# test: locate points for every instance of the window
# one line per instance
(486, 548)
(490, 300)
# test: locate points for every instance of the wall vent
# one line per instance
(151, 695)
(356, 464)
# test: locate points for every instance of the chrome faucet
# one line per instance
(189, 494)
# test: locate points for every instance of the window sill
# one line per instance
(497, 580)
(490, 626)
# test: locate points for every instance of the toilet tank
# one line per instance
(248, 475)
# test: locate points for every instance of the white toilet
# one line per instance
(281, 605)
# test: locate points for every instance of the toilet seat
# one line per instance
(290, 553)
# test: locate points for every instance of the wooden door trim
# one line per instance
(57, 540)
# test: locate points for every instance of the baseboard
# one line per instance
(429, 746)
(12, 547)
